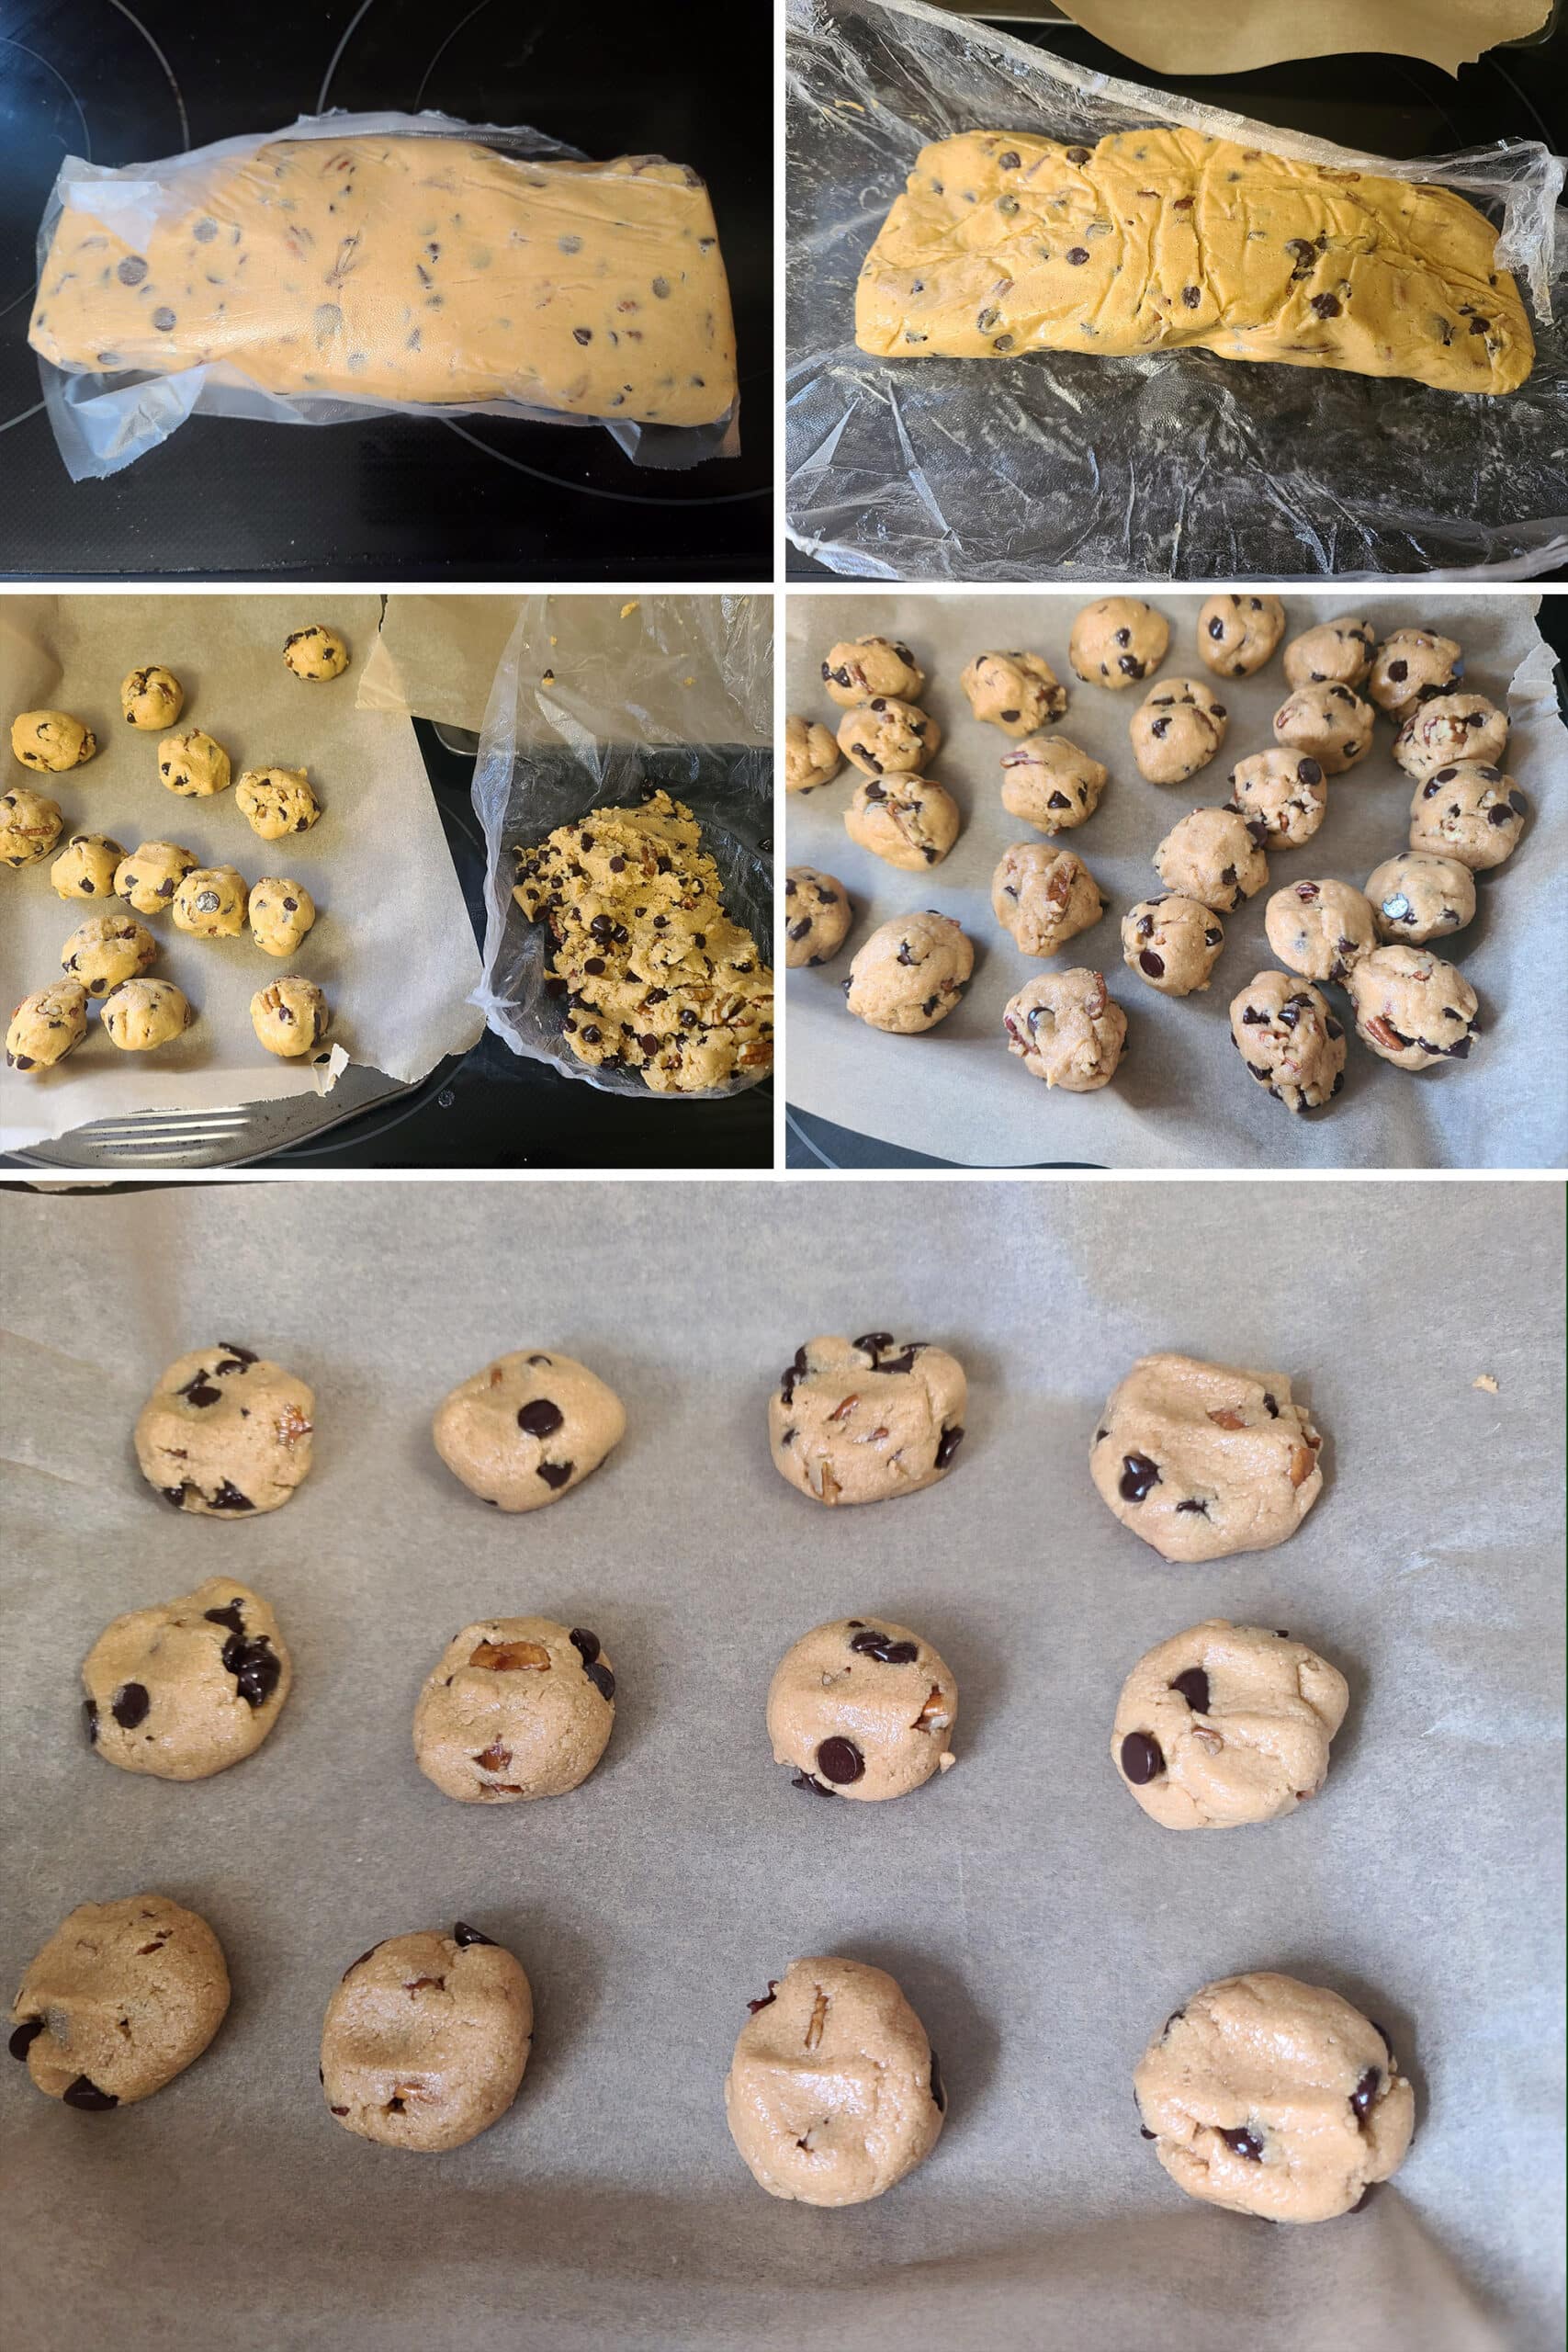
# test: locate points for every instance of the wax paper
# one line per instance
(1212, 37)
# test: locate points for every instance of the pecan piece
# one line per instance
(511, 1657)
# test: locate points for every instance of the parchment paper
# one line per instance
(435, 657)
(1043, 1926)
(1180, 1097)
(1213, 37)
(391, 945)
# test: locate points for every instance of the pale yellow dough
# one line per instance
(51, 741)
(528, 1428)
(193, 765)
(1226, 1726)
(316, 654)
(47, 1026)
(291, 1016)
(514, 1708)
(152, 699)
(426, 2038)
(862, 1708)
(30, 824)
(866, 1420)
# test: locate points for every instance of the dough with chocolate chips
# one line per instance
(1068, 1029)
(515, 1707)
(275, 802)
(818, 914)
(225, 1433)
(1050, 784)
(1417, 897)
(1045, 896)
(1200, 1460)
(210, 902)
(1319, 929)
(1471, 812)
(291, 1016)
(1290, 1040)
(858, 669)
(1224, 1725)
(888, 738)
(46, 1026)
(152, 699)
(528, 1428)
(85, 867)
(1178, 729)
(1238, 635)
(30, 824)
(317, 653)
(1017, 692)
(862, 1707)
(1172, 943)
(123, 1997)
(1213, 857)
(811, 756)
(909, 973)
(1335, 653)
(1448, 729)
(193, 765)
(1280, 796)
(1117, 641)
(142, 1015)
(1413, 1009)
(910, 822)
(189, 1686)
(1413, 666)
(280, 913)
(51, 741)
(106, 949)
(149, 876)
(425, 2040)
(1329, 724)
(866, 1420)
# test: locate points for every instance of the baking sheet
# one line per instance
(1214, 37)
(391, 945)
(1180, 1097)
(1041, 1924)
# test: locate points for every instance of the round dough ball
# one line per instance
(1172, 943)
(1470, 812)
(121, 1999)
(1050, 784)
(1320, 929)
(51, 741)
(105, 950)
(1281, 797)
(1117, 641)
(1416, 897)
(1045, 896)
(1449, 728)
(887, 737)
(29, 825)
(909, 822)
(1335, 653)
(1224, 1725)
(1414, 666)
(1200, 1460)
(516, 1707)
(860, 668)
(1412, 1009)
(85, 867)
(1017, 692)
(1067, 1029)
(225, 1432)
(862, 1708)
(1238, 635)
(142, 1015)
(811, 756)
(46, 1026)
(189, 1686)
(910, 974)
(425, 2040)
(194, 765)
(1266, 2095)
(1178, 729)
(1213, 857)
(1292, 1043)
(280, 913)
(152, 699)
(210, 902)
(291, 1016)
(866, 1420)
(528, 1428)
(316, 653)
(1331, 724)
(818, 914)
(275, 802)
(148, 877)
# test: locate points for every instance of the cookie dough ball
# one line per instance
(148, 877)
(51, 741)
(833, 2093)
(85, 867)
(811, 756)
(1417, 897)
(1290, 1040)
(1201, 1460)
(194, 765)
(1269, 2097)
(866, 1420)
(121, 1999)
(1281, 796)
(316, 653)
(291, 1016)
(1238, 635)
(860, 668)
(1172, 943)
(1050, 784)
(1412, 1009)
(910, 974)
(1411, 667)
(1320, 929)
(1224, 1725)
(516, 1707)
(1470, 812)
(105, 950)
(29, 825)
(152, 699)
(1335, 653)
(1067, 1029)
(425, 2040)
(1017, 692)
(888, 738)
(280, 913)
(47, 1026)
(275, 802)
(1213, 857)
(1117, 641)
(142, 1015)
(225, 1432)
(1448, 729)
(1045, 896)
(186, 1689)
(817, 914)
(1330, 724)
(527, 1428)
(1177, 732)
(862, 1708)
(909, 822)
(210, 902)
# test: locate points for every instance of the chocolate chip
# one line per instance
(1138, 1475)
(88, 2097)
(766, 2000)
(229, 1498)
(255, 1664)
(1194, 1685)
(1152, 964)
(25, 2033)
(840, 1760)
(539, 1417)
(1141, 1758)
(463, 1936)
(603, 1681)
(1191, 297)
(129, 1705)
(90, 1712)
(1243, 2143)
(805, 1781)
(585, 1642)
(1366, 2090)
(163, 320)
(869, 1643)
(200, 1390)
(1325, 306)
(1077, 255)
(948, 1445)
(939, 2095)
(1203, 1509)
(555, 1474)
(131, 270)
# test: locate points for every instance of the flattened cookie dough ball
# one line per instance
(862, 1708)
(142, 1015)
(316, 653)
(85, 867)
(528, 1428)
(818, 914)
(1213, 857)
(910, 822)
(275, 802)
(811, 756)
(866, 1420)
(152, 699)
(193, 765)
(1045, 896)
(281, 912)
(1320, 929)
(1201, 1460)
(1068, 1029)
(1280, 796)
(46, 1026)
(833, 2093)
(1238, 635)
(121, 1999)
(1267, 2096)
(425, 2040)
(1417, 897)
(1117, 641)
(148, 877)
(860, 668)
(1449, 728)
(226, 1433)
(1290, 1040)
(51, 741)
(291, 1016)
(1330, 724)
(1050, 784)
(888, 738)
(910, 974)
(516, 1707)
(210, 902)
(1412, 1009)
(1335, 653)
(1172, 943)
(1414, 666)
(105, 950)
(1224, 1725)
(29, 825)
(1178, 729)
(1471, 812)
(1017, 692)
(189, 1686)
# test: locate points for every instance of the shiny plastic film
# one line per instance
(1177, 464)
(391, 264)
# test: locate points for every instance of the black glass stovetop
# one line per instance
(477, 498)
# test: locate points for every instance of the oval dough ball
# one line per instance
(1067, 1029)
(105, 950)
(1117, 641)
(291, 1016)
(866, 1420)
(316, 653)
(1320, 929)
(516, 1707)
(860, 668)
(1213, 857)
(862, 1708)
(148, 877)
(910, 974)
(142, 1015)
(1448, 729)
(1335, 653)
(527, 1428)
(121, 1999)
(46, 1026)
(818, 914)
(1178, 729)
(29, 825)
(1280, 796)
(280, 913)
(1200, 1460)
(1224, 1725)
(888, 738)
(425, 2040)
(1412, 1009)
(194, 765)
(152, 699)
(1414, 666)
(1269, 2097)
(1416, 897)
(210, 902)
(811, 756)
(226, 1433)
(910, 822)
(1288, 1039)
(1017, 692)
(1050, 784)
(51, 741)
(1238, 635)
(85, 867)
(1172, 943)
(1330, 724)
(189, 1686)
(1045, 896)
(1470, 812)
(275, 802)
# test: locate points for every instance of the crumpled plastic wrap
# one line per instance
(104, 421)
(1166, 468)
(592, 701)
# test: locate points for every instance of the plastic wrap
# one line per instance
(104, 420)
(1176, 467)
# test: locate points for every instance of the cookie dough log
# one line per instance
(1050, 784)
(47, 1026)
(1172, 943)
(528, 1428)
(187, 1688)
(105, 950)
(1471, 812)
(317, 653)
(909, 822)
(858, 669)
(1017, 692)
(862, 1708)
(123, 1997)
(833, 2093)
(152, 699)
(51, 741)
(1412, 1007)
(225, 1433)
(1224, 1725)
(1267, 2096)
(1005, 242)
(193, 765)
(910, 974)
(30, 824)
(148, 877)
(291, 1016)
(1045, 896)
(142, 1015)
(818, 914)
(1200, 1460)
(1068, 1029)
(410, 269)
(426, 2038)
(1238, 635)
(1288, 1039)
(514, 1708)
(866, 1420)
(811, 756)
(1417, 897)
